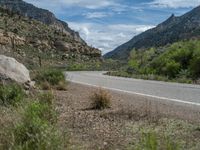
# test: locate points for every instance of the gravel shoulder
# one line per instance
(119, 127)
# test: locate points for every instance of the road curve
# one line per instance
(182, 93)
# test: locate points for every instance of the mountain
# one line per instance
(39, 14)
(172, 30)
(35, 43)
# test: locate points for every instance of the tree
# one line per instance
(195, 67)
(172, 69)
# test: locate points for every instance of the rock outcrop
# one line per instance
(11, 39)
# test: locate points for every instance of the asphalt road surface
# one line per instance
(182, 93)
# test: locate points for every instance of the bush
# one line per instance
(51, 78)
(11, 94)
(101, 99)
(171, 69)
(37, 130)
(35, 133)
(195, 67)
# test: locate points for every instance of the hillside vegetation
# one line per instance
(176, 62)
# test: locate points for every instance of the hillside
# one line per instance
(172, 30)
(41, 15)
(35, 43)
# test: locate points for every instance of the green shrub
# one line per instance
(195, 67)
(171, 69)
(37, 130)
(101, 99)
(51, 78)
(11, 94)
(34, 133)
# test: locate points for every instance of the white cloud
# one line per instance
(92, 15)
(175, 3)
(106, 38)
(91, 4)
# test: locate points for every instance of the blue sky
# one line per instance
(106, 24)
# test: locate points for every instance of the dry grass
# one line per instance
(101, 99)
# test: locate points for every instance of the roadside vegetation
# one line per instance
(31, 124)
(50, 120)
(50, 78)
(29, 119)
(174, 135)
(101, 99)
(37, 128)
(178, 62)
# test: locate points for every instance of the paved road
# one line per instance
(183, 93)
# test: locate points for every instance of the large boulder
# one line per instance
(11, 70)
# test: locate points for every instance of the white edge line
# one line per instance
(140, 94)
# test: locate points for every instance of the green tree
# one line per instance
(195, 67)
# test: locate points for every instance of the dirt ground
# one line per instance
(119, 127)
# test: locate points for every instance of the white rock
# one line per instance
(11, 69)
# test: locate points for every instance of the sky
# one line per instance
(106, 24)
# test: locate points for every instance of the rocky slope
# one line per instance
(172, 30)
(39, 14)
(34, 43)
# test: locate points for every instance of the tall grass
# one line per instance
(151, 141)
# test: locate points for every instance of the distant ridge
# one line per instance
(172, 30)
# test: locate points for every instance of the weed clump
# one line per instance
(101, 99)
